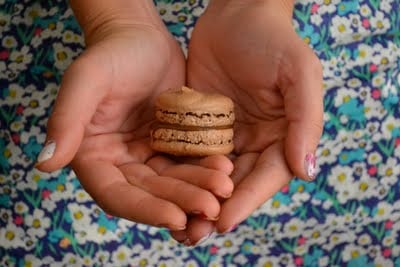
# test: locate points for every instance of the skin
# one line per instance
(251, 53)
(101, 118)
(245, 50)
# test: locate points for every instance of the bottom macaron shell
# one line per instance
(194, 150)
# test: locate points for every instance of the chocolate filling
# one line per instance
(196, 143)
(159, 125)
(221, 115)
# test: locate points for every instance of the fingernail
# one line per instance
(203, 216)
(310, 166)
(225, 195)
(47, 152)
(187, 242)
(172, 227)
(203, 239)
(207, 218)
(230, 229)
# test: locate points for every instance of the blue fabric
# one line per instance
(348, 217)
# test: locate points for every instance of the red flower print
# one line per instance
(365, 23)
(386, 252)
(285, 189)
(301, 241)
(214, 250)
(314, 8)
(4, 55)
(298, 261)
(376, 94)
(19, 110)
(397, 142)
(15, 137)
(373, 68)
(18, 220)
(46, 194)
(372, 170)
(388, 224)
(38, 31)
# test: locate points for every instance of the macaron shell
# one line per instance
(188, 100)
(192, 150)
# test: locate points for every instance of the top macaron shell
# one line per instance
(188, 107)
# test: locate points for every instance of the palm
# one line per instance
(114, 162)
(250, 54)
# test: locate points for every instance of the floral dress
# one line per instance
(350, 216)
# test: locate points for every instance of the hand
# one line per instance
(250, 52)
(101, 120)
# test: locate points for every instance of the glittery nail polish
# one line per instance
(310, 166)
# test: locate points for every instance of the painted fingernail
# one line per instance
(310, 166)
(47, 152)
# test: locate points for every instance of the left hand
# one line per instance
(251, 53)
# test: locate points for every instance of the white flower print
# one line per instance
(341, 30)
(122, 256)
(388, 126)
(380, 261)
(327, 6)
(70, 259)
(82, 196)
(31, 260)
(365, 10)
(12, 236)
(33, 12)
(63, 56)
(21, 207)
(379, 80)
(294, 227)
(383, 211)
(9, 42)
(268, 261)
(364, 240)
(389, 172)
(352, 251)
(38, 223)
(20, 59)
(380, 23)
(101, 257)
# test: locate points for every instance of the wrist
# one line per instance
(99, 18)
(283, 6)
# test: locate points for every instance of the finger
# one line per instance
(244, 164)
(202, 176)
(214, 181)
(197, 232)
(303, 100)
(82, 88)
(190, 198)
(109, 188)
(216, 162)
(269, 175)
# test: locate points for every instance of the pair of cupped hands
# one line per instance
(249, 52)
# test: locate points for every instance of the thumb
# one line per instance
(81, 91)
(303, 101)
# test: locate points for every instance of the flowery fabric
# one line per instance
(350, 216)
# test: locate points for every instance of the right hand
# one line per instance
(100, 124)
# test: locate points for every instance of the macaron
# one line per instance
(192, 123)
